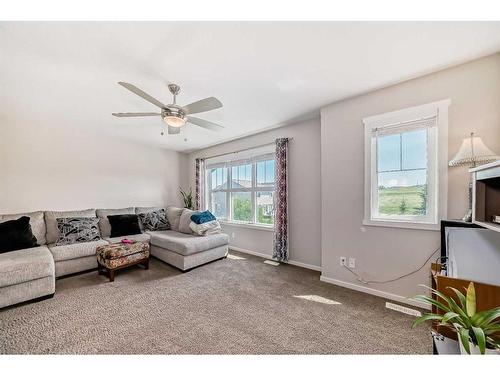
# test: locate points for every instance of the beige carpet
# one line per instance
(232, 306)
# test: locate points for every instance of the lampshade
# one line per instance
(176, 122)
(473, 152)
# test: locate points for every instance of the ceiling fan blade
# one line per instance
(142, 94)
(202, 105)
(204, 123)
(173, 130)
(139, 114)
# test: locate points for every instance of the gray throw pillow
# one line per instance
(77, 229)
(154, 220)
(173, 217)
(185, 220)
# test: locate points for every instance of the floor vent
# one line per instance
(403, 309)
(271, 262)
(316, 298)
(235, 257)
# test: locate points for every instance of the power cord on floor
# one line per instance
(361, 280)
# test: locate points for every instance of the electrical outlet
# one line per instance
(352, 262)
(343, 261)
(233, 235)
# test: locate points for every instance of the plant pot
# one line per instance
(474, 349)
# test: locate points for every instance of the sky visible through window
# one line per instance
(402, 173)
(265, 172)
(402, 159)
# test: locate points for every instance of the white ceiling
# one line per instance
(265, 74)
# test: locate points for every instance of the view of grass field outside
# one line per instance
(402, 173)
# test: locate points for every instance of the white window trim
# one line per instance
(253, 190)
(441, 170)
(265, 227)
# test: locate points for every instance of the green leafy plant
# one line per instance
(482, 328)
(187, 198)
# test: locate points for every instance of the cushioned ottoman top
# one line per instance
(120, 250)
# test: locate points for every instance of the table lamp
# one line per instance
(472, 152)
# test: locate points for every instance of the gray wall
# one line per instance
(304, 186)
(44, 166)
(382, 253)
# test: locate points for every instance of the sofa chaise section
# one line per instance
(185, 251)
(25, 275)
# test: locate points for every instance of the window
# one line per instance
(242, 190)
(405, 167)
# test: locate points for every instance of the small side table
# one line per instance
(120, 255)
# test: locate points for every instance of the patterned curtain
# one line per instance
(200, 184)
(280, 246)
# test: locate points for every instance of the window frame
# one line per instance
(253, 190)
(437, 166)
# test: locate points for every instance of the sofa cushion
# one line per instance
(186, 244)
(153, 220)
(77, 229)
(76, 250)
(37, 223)
(143, 237)
(185, 220)
(51, 221)
(16, 234)
(173, 216)
(102, 214)
(25, 265)
(143, 210)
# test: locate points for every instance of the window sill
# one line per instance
(249, 226)
(401, 224)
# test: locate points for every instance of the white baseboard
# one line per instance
(375, 292)
(267, 256)
(304, 265)
(251, 252)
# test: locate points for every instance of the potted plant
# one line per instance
(187, 198)
(477, 332)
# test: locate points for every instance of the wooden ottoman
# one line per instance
(116, 256)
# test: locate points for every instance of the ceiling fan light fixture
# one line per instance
(174, 115)
(175, 121)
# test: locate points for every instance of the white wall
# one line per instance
(383, 253)
(304, 192)
(48, 166)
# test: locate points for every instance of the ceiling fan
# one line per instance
(174, 115)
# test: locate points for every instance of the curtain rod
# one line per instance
(245, 149)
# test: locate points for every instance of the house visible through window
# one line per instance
(401, 166)
(242, 189)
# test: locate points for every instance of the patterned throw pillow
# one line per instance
(154, 220)
(77, 229)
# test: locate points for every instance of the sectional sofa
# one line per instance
(29, 274)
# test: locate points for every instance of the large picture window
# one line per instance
(402, 167)
(242, 190)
